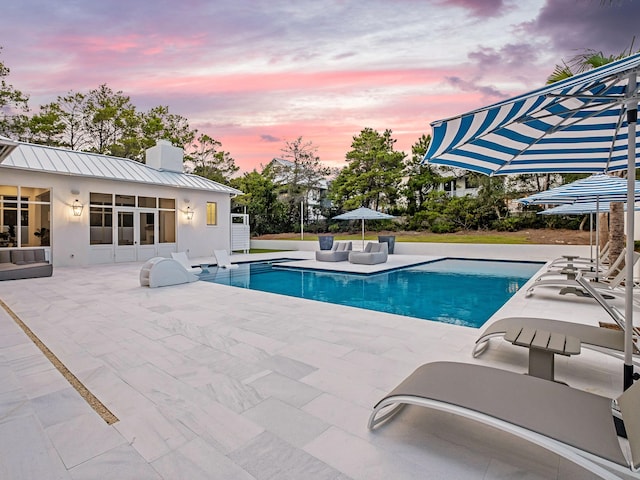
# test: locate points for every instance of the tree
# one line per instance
(422, 178)
(111, 122)
(260, 201)
(45, 128)
(211, 163)
(300, 176)
(72, 108)
(13, 105)
(372, 178)
(159, 124)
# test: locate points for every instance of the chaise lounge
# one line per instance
(574, 424)
(373, 254)
(339, 253)
(601, 339)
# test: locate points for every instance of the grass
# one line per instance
(492, 238)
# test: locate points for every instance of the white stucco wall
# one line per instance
(70, 234)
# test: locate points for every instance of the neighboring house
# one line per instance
(87, 208)
(463, 184)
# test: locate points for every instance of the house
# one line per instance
(86, 208)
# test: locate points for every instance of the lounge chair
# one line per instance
(602, 339)
(574, 424)
(182, 258)
(612, 278)
(223, 260)
(339, 253)
(582, 262)
(373, 254)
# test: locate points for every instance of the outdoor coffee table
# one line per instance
(543, 346)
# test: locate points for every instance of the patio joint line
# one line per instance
(84, 392)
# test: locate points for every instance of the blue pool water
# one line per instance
(462, 292)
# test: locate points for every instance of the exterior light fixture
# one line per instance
(77, 208)
(189, 213)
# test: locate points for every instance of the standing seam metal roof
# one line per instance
(70, 162)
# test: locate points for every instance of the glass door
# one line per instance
(125, 235)
(147, 234)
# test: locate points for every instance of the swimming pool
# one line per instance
(462, 292)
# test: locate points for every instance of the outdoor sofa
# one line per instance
(16, 264)
(338, 253)
(373, 254)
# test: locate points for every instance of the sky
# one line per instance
(256, 74)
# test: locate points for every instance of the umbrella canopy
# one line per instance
(363, 213)
(596, 188)
(586, 123)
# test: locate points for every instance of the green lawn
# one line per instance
(488, 238)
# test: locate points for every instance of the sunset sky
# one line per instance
(253, 74)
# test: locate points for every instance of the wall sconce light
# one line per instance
(189, 213)
(77, 208)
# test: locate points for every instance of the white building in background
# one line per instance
(86, 208)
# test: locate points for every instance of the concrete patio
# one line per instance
(216, 382)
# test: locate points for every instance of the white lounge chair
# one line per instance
(574, 424)
(184, 261)
(601, 339)
(582, 262)
(611, 279)
(223, 260)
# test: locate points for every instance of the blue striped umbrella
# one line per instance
(586, 123)
(580, 209)
(596, 188)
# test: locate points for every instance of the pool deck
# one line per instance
(216, 382)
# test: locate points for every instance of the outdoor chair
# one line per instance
(182, 258)
(608, 280)
(223, 260)
(602, 339)
(339, 253)
(373, 254)
(571, 423)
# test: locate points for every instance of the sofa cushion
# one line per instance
(5, 256)
(17, 257)
(29, 256)
(39, 255)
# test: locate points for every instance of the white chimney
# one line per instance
(164, 156)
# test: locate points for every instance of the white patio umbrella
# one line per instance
(586, 123)
(363, 213)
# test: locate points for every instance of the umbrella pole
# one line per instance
(591, 235)
(632, 119)
(597, 237)
(363, 234)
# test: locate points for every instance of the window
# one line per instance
(101, 225)
(25, 216)
(125, 200)
(212, 213)
(100, 199)
(147, 202)
(167, 220)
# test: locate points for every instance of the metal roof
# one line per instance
(61, 161)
